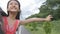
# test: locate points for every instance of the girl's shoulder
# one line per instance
(4, 16)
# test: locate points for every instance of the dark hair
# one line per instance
(18, 14)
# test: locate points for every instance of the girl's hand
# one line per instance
(48, 18)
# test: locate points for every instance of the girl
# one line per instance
(11, 21)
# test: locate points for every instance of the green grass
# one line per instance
(55, 28)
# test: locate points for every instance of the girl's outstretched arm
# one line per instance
(48, 18)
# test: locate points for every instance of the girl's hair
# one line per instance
(18, 14)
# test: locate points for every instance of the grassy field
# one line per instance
(55, 28)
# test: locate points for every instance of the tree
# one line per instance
(49, 7)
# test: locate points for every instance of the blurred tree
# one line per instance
(49, 7)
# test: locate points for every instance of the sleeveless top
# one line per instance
(7, 29)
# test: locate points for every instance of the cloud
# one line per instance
(30, 7)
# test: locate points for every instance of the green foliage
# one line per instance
(51, 7)
(47, 26)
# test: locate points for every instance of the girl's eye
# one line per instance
(16, 4)
(10, 3)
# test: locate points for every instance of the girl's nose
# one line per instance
(13, 5)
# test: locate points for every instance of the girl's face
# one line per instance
(13, 6)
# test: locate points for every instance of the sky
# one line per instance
(28, 7)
